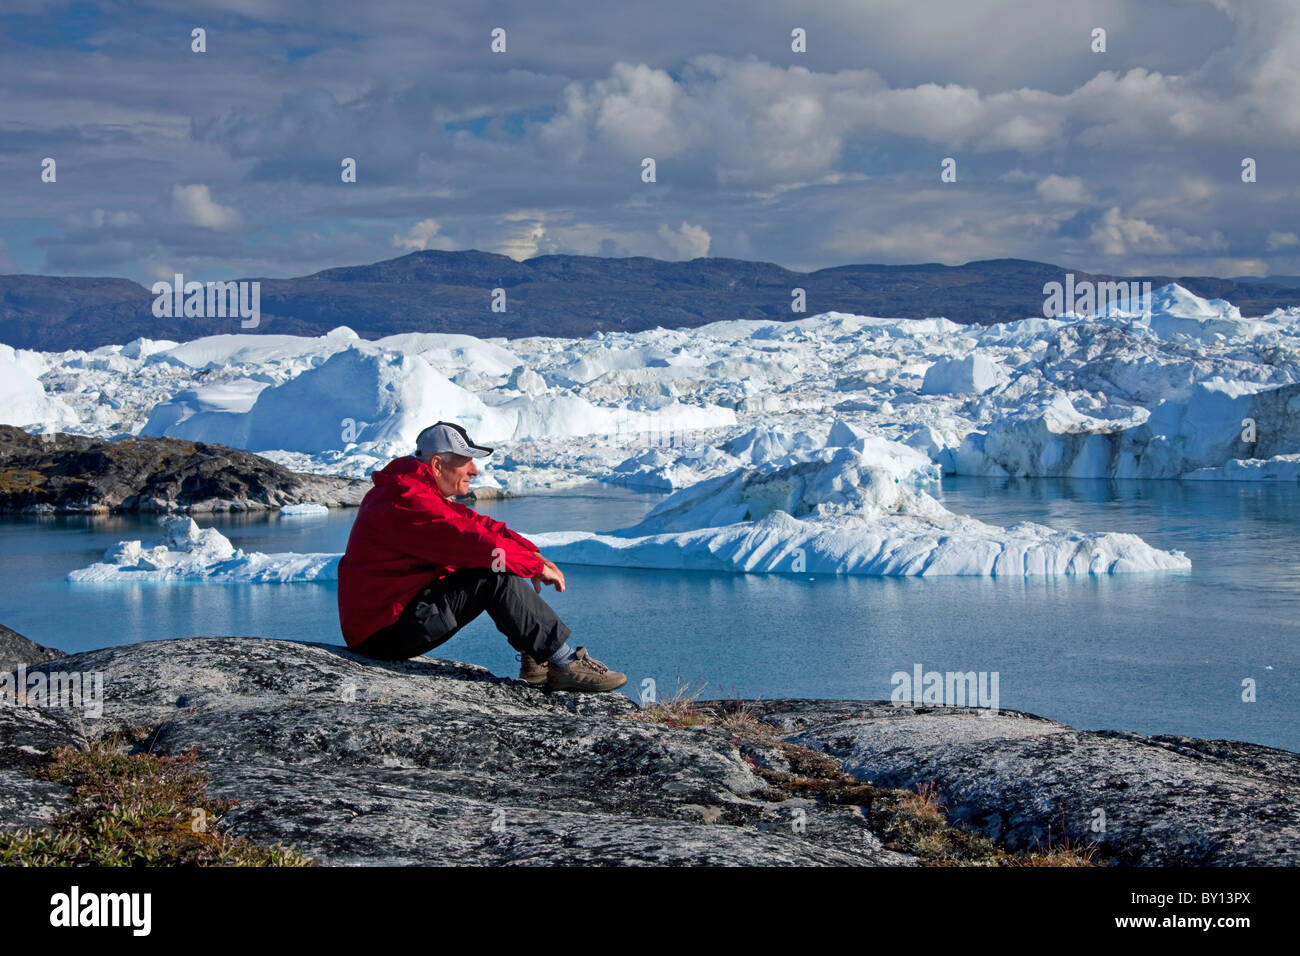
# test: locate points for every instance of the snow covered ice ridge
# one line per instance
(1157, 393)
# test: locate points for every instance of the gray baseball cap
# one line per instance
(448, 436)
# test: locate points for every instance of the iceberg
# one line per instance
(304, 511)
(856, 509)
(896, 546)
(974, 374)
(23, 399)
(188, 553)
(860, 508)
(1157, 388)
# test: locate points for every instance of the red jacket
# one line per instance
(407, 534)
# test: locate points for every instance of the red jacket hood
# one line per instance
(405, 470)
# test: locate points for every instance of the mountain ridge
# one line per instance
(564, 295)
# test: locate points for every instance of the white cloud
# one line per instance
(1063, 189)
(194, 206)
(687, 241)
(1120, 235)
(631, 113)
(423, 235)
(747, 142)
(1116, 234)
(527, 237)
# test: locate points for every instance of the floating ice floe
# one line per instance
(856, 509)
(190, 553)
(303, 511)
(860, 508)
(1277, 468)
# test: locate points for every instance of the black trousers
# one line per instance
(443, 608)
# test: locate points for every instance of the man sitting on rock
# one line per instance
(419, 567)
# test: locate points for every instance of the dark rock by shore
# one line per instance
(433, 762)
(72, 474)
(16, 651)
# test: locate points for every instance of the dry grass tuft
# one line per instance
(135, 809)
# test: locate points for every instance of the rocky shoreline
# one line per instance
(436, 762)
(74, 474)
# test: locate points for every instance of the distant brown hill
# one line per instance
(565, 296)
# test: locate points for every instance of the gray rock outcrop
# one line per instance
(430, 762)
(1023, 780)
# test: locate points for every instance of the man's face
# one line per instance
(453, 479)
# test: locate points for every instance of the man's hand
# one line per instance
(550, 575)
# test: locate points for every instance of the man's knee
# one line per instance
(505, 581)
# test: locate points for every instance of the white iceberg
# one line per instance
(898, 545)
(23, 399)
(860, 508)
(188, 553)
(971, 375)
(1277, 468)
(303, 511)
(857, 509)
(1221, 422)
(1120, 394)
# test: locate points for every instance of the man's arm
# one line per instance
(456, 541)
(496, 527)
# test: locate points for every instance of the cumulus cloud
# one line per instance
(193, 205)
(1119, 235)
(1109, 162)
(1062, 189)
(525, 235)
(1116, 234)
(423, 235)
(631, 113)
(686, 241)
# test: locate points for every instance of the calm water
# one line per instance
(1160, 653)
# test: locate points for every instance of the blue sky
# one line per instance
(227, 163)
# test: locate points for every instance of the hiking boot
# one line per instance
(531, 670)
(584, 673)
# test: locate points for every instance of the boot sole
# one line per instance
(586, 688)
